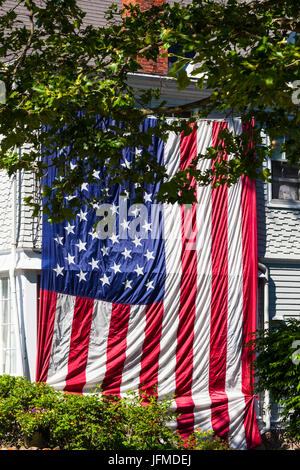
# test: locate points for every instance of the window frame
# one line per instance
(4, 349)
(279, 203)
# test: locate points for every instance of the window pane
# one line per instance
(285, 191)
(7, 331)
(12, 337)
(6, 363)
(283, 170)
(12, 361)
(4, 282)
(286, 182)
(5, 336)
(277, 153)
(5, 311)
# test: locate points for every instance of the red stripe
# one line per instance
(219, 302)
(249, 247)
(116, 349)
(187, 308)
(45, 333)
(253, 437)
(151, 349)
(79, 344)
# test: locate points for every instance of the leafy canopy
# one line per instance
(68, 95)
(276, 368)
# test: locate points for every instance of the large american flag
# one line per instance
(163, 303)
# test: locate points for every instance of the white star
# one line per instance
(126, 164)
(114, 209)
(70, 259)
(104, 250)
(135, 211)
(59, 240)
(94, 234)
(95, 205)
(147, 197)
(70, 228)
(149, 285)
(96, 174)
(114, 238)
(81, 276)
(116, 268)
(125, 224)
(139, 270)
(69, 198)
(127, 284)
(81, 245)
(149, 255)
(126, 253)
(137, 241)
(106, 191)
(73, 166)
(147, 226)
(94, 263)
(84, 187)
(58, 270)
(104, 280)
(138, 152)
(82, 215)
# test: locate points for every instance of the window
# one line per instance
(285, 187)
(7, 331)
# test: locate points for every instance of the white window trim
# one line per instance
(278, 203)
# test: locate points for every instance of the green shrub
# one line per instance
(207, 440)
(277, 369)
(73, 421)
(16, 395)
(144, 423)
(31, 411)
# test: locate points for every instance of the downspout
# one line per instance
(12, 278)
(267, 410)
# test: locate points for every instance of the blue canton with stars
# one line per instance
(128, 265)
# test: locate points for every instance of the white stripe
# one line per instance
(200, 385)
(173, 248)
(134, 349)
(233, 383)
(96, 361)
(58, 365)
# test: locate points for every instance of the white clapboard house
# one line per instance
(278, 217)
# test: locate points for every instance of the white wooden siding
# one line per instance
(5, 211)
(284, 291)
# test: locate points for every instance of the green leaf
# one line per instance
(183, 79)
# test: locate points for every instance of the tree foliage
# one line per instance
(277, 368)
(68, 96)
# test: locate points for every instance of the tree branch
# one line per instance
(293, 63)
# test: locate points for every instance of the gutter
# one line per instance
(266, 404)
